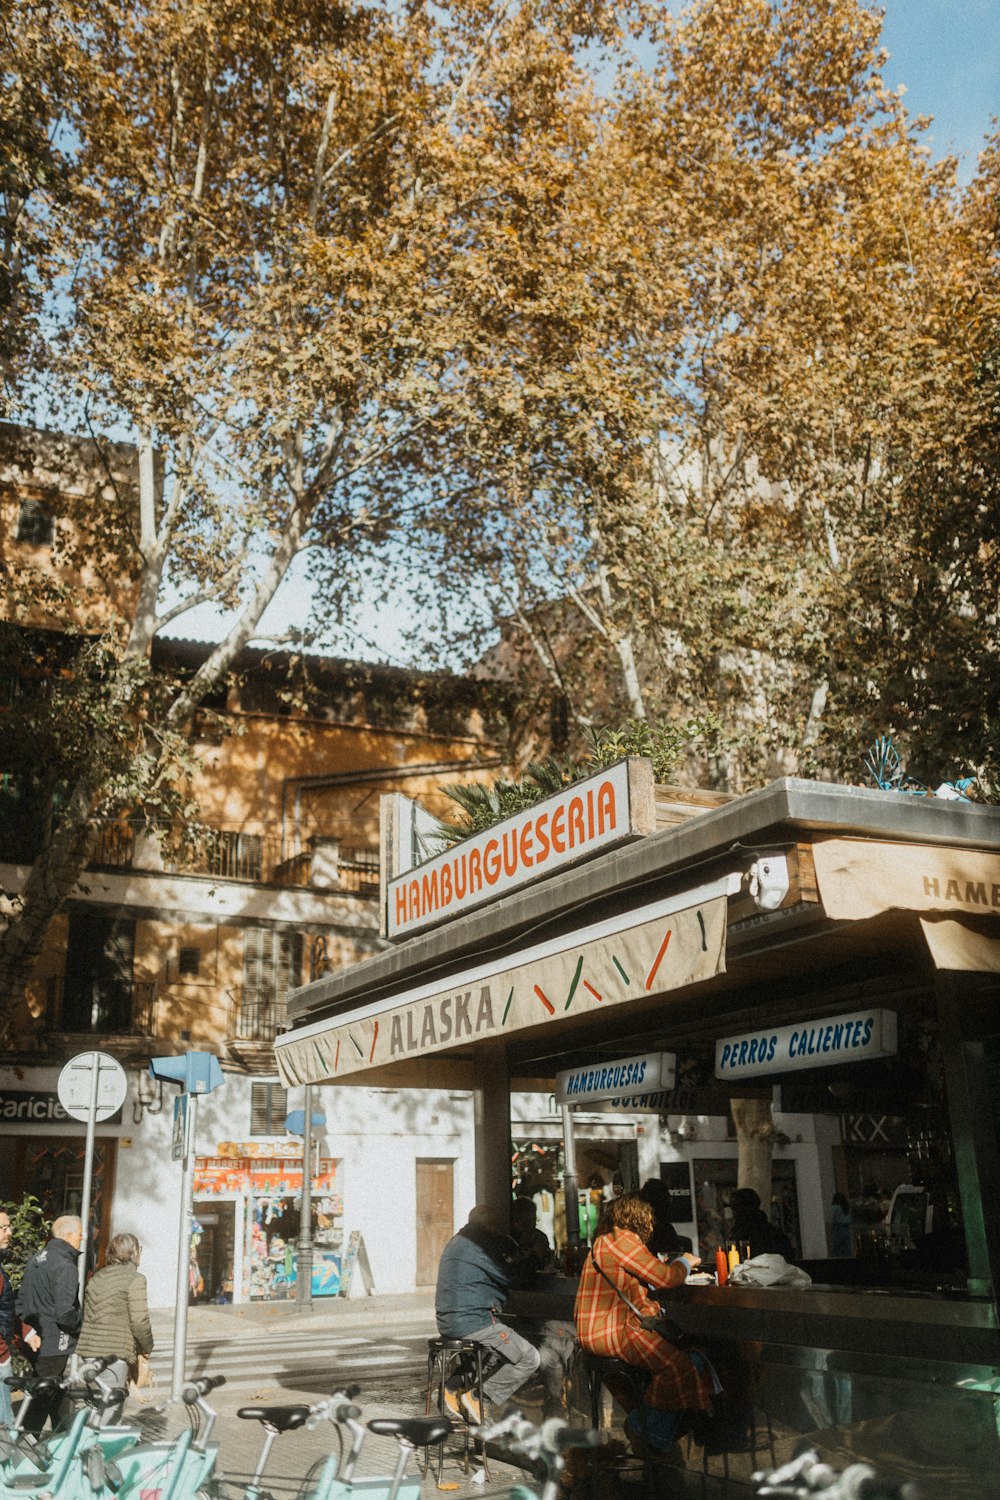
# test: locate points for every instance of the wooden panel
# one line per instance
(435, 1215)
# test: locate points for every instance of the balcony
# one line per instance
(126, 1009)
(259, 857)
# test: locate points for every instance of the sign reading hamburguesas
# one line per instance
(616, 1080)
(825, 1043)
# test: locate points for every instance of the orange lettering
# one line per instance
(575, 819)
(606, 812)
(527, 837)
(491, 862)
(559, 830)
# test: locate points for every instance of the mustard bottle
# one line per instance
(734, 1257)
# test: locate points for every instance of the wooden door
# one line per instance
(435, 1215)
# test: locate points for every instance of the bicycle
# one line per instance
(29, 1464)
(808, 1477)
(102, 1462)
(335, 1479)
(543, 1446)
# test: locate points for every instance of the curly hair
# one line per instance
(628, 1212)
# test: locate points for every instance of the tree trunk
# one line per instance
(755, 1137)
(53, 875)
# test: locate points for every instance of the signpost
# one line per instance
(301, 1122)
(197, 1073)
(91, 1087)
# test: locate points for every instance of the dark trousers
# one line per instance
(41, 1408)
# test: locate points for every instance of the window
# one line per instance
(272, 965)
(34, 524)
(98, 990)
(268, 1108)
(189, 962)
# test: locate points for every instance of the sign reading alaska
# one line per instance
(608, 808)
(667, 945)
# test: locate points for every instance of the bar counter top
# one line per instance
(894, 1321)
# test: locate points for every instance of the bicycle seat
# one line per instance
(420, 1431)
(281, 1418)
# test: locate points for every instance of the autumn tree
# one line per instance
(782, 535)
(327, 268)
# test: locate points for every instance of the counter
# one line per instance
(909, 1381)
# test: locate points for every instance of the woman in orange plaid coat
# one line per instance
(607, 1326)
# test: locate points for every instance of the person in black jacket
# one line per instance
(10, 1331)
(49, 1300)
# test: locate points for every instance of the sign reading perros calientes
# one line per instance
(824, 1043)
(608, 808)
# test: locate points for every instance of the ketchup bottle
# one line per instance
(721, 1266)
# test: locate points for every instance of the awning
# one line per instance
(954, 945)
(666, 945)
(860, 878)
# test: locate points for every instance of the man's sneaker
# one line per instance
(470, 1406)
(451, 1402)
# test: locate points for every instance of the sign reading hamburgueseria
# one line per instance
(621, 1079)
(605, 809)
(826, 1043)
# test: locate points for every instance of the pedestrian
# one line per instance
(116, 1319)
(10, 1328)
(473, 1283)
(48, 1299)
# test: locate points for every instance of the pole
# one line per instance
(304, 1249)
(184, 1244)
(88, 1169)
(571, 1191)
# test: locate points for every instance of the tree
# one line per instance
(783, 539)
(305, 264)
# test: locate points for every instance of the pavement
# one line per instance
(273, 1354)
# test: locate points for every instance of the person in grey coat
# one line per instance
(116, 1319)
(48, 1299)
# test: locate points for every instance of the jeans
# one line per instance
(6, 1410)
(518, 1361)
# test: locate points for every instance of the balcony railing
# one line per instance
(255, 1014)
(255, 857)
(128, 1009)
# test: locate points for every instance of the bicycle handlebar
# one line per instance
(807, 1474)
(338, 1408)
(552, 1437)
(195, 1389)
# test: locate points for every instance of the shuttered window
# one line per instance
(268, 1108)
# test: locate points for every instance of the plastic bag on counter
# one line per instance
(768, 1270)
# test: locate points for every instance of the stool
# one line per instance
(624, 1382)
(443, 1358)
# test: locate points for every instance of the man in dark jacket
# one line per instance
(472, 1287)
(49, 1300)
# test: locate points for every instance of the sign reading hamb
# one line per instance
(608, 808)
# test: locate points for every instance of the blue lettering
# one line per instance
(869, 1028)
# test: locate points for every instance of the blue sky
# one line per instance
(947, 54)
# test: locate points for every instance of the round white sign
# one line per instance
(76, 1085)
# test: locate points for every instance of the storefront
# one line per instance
(777, 927)
(42, 1151)
(247, 1221)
